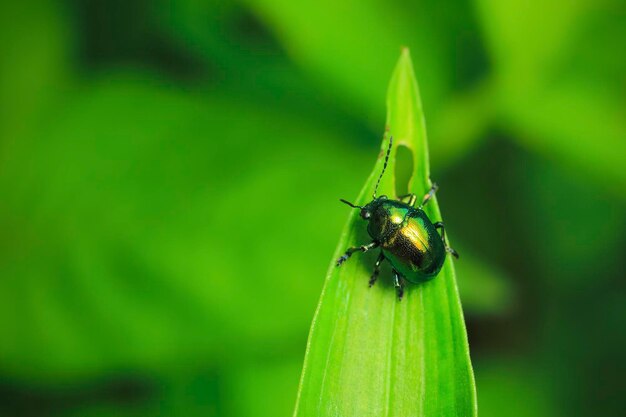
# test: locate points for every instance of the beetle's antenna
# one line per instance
(349, 203)
(384, 166)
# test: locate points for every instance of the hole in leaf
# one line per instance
(404, 169)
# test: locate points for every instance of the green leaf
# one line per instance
(559, 87)
(581, 128)
(369, 354)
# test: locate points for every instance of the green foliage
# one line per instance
(135, 157)
(35, 44)
(368, 354)
(169, 175)
(548, 92)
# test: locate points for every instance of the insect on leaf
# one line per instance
(369, 354)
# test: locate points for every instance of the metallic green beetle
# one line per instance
(406, 236)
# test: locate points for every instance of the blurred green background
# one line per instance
(169, 181)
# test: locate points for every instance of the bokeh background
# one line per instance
(169, 181)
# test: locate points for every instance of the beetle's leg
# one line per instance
(350, 251)
(379, 261)
(412, 198)
(398, 282)
(439, 225)
(429, 194)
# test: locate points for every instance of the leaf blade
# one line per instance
(367, 354)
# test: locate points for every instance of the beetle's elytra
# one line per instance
(408, 239)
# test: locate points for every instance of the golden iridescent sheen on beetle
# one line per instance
(408, 240)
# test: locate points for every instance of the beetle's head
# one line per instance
(369, 209)
(376, 214)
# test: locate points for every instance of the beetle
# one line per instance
(408, 239)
